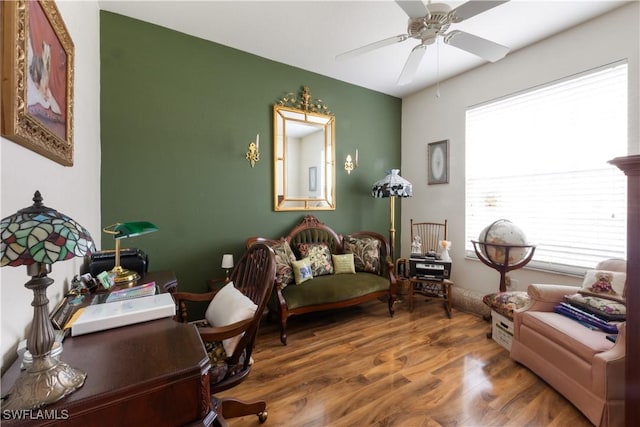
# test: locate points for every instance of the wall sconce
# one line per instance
(349, 165)
(253, 153)
(227, 263)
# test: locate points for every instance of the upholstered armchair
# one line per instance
(230, 327)
(579, 362)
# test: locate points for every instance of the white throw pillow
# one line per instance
(229, 306)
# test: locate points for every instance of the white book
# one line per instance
(109, 315)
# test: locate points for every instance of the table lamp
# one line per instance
(227, 263)
(122, 230)
(37, 237)
(392, 186)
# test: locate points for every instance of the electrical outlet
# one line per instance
(514, 284)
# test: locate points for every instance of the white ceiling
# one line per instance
(309, 34)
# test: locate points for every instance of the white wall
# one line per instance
(426, 119)
(74, 191)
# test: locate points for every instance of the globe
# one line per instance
(503, 232)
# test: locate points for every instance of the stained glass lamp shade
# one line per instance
(392, 186)
(37, 237)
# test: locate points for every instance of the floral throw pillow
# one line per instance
(366, 253)
(284, 259)
(505, 303)
(319, 255)
(604, 284)
(604, 308)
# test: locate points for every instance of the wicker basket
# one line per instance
(403, 286)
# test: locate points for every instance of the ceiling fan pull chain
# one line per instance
(437, 68)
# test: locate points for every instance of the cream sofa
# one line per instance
(580, 363)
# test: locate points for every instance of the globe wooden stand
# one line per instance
(506, 267)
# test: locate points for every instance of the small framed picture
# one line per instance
(438, 162)
(313, 178)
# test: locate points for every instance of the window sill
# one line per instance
(544, 267)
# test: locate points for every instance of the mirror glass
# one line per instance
(304, 160)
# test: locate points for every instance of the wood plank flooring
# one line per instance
(359, 367)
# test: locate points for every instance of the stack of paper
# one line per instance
(109, 315)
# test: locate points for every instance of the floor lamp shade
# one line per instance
(392, 186)
(37, 237)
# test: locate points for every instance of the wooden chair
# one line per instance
(253, 276)
(430, 233)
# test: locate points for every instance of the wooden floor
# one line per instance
(359, 367)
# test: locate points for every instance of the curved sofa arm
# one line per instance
(545, 297)
(608, 368)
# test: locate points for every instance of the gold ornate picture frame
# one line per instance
(37, 79)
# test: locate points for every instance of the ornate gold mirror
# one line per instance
(303, 154)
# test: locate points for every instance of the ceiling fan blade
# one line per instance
(413, 8)
(483, 48)
(372, 46)
(411, 66)
(473, 8)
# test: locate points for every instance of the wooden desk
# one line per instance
(152, 373)
(165, 280)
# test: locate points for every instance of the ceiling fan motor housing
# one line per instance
(428, 27)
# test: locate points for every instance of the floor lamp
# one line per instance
(392, 186)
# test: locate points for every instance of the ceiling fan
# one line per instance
(427, 22)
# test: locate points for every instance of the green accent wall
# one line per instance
(177, 115)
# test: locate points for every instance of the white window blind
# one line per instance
(539, 159)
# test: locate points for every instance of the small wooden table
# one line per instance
(439, 289)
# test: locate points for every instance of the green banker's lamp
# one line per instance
(122, 230)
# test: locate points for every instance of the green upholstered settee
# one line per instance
(334, 283)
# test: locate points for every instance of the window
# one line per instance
(539, 159)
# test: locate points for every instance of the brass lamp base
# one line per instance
(122, 275)
(46, 381)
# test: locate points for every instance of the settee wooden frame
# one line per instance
(311, 230)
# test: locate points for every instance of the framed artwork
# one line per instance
(438, 162)
(37, 79)
(313, 178)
